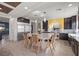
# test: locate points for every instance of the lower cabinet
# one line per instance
(78, 50)
(75, 46)
(63, 36)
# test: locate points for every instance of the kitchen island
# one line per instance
(74, 43)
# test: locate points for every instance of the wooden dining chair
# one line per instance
(56, 36)
(26, 40)
(35, 44)
(30, 41)
(40, 45)
(50, 44)
(46, 41)
(53, 42)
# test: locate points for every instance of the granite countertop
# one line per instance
(75, 36)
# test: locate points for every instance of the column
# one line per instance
(77, 21)
(77, 24)
(35, 26)
(13, 29)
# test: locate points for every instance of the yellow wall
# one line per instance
(57, 20)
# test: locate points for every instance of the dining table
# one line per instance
(43, 37)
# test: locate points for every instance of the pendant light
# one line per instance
(44, 17)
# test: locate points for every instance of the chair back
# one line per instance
(24, 36)
(35, 38)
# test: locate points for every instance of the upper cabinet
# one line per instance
(78, 22)
(70, 22)
(73, 22)
(45, 26)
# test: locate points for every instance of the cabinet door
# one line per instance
(73, 22)
(78, 22)
(45, 25)
(68, 23)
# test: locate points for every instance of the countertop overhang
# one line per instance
(75, 36)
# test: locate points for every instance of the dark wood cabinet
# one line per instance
(70, 22)
(78, 22)
(45, 25)
(75, 45)
(63, 36)
(73, 22)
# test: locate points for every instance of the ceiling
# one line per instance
(36, 10)
(6, 9)
(14, 4)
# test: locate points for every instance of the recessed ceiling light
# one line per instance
(70, 5)
(44, 12)
(59, 9)
(36, 12)
(26, 8)
(0, 8)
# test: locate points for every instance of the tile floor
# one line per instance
(62, 48)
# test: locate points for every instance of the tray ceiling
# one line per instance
(14, 4)
(5, 9)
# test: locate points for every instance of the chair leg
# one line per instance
(52, 48)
